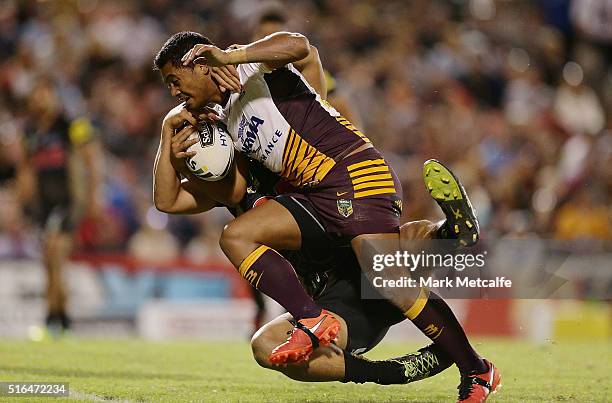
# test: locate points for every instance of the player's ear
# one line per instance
(203, 68)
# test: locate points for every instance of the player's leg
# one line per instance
(56, 247)
(428, 311)
(250, 242)
(335, 363)
(325, 363)
(260, 311)
(479, 377)
(436, 313)
(419, 230)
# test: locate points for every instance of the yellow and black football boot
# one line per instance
(461, 222)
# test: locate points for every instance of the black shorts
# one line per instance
(368, 320)
(56, 218)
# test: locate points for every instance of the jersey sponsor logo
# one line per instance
(252, 131)
(271, 145)
(345, 207)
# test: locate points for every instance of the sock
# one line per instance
(273, 275)
(436, 320)
(359, 370)
(427, 362)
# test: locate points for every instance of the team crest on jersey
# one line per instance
(345, 207)
(206, 135)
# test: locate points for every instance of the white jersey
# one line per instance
(257, 127)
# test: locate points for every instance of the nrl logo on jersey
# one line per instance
(345, 207)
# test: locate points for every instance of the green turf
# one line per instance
(143, 371)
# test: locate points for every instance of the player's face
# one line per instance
(43, 100)
(266, 28)
(194, 86)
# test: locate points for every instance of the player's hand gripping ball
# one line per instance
(214, 152)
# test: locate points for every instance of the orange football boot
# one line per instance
(476, 388)
(307, 335)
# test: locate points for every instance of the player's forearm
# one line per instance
(275, 50)
(312, 70)
(166, 184)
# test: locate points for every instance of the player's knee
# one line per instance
(416, 230)
(233, 234)
(261, 350)
(51, 245)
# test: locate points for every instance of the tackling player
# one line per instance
(331, 276)
(330, 166)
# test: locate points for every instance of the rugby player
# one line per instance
(328, 165)
(47, 176)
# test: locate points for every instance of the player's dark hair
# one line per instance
(273, 15)
(176, 46)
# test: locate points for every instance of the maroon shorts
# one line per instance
(360, 195)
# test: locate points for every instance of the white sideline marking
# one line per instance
(74, 394)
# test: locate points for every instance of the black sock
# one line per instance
(426, 362)
(359, 370)
(437, 321)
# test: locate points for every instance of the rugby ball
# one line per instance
(214, 152)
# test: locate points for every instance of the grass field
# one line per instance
(132, 370)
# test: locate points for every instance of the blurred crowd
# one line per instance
(516, 96)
